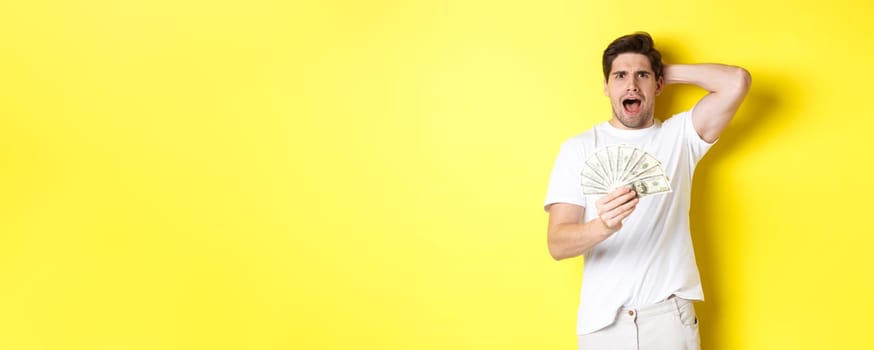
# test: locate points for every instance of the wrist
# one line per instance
(669, 73)
(602, 230)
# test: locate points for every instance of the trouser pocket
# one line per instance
(686, 311)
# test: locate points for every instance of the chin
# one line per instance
(635, 122)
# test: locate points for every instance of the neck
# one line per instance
(618, 124)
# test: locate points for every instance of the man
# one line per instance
(640, 276)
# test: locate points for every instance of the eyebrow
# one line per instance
(626, 72)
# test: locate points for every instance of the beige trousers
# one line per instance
(668, 325)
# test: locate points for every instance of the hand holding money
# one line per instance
(615, 206)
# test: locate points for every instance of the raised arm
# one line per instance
(728, 85)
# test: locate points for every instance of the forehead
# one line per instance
(631, 62)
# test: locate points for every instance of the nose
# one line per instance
(632, 86)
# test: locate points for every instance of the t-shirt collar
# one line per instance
(629, 133)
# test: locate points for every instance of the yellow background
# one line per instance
(370, 174)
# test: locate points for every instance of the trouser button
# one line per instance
(631, 313)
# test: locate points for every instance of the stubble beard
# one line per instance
(642, 120)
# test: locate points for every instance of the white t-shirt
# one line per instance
(651, 257)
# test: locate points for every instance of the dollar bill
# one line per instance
(613, 159)
(604, 160)
(626, 156)
(644, 166)
(593, 170)
(651, 185)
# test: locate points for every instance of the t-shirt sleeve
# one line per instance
(564, 182)
(697, 146)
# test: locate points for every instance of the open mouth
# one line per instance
(631, 105)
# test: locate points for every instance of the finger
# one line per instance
(620, 212)
(617, 220)
(626, 209)
(620, 200)
(614, 194)
(607, 200)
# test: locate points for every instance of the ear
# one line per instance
(605, 88)
(659, 85)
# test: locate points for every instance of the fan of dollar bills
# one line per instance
(616, 166)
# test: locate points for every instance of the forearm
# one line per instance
(715, 78)
(571, 240)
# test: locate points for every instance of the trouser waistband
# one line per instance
(672, 304)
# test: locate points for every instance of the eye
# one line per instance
(643, 74)
(620, 75)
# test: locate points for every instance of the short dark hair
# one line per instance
(640, 43)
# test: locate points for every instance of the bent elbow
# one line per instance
(743, 78)
(556, 252)
(555, 256)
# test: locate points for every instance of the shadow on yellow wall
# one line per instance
(762, 109)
